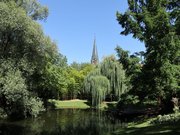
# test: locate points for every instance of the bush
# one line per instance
(16, 101)
(149, 102)
(33, 106)
(129, 99)
(176, 104)
(2, 113)
(163, 119)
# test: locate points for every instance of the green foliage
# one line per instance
(131, 65)
(33, 106)
(127, 99)
(175, 102)
(155, 23)
(53, 82)
(32, 8)
(130, 100)
(115, 74)
(163, 119)
(20, 36)
(30, 63)
(75, 75)
(75, 82)
(15, 99)
(123, 57)
(145, 127)
(149, 102)
(81, 66)
(2, 113)
(98, 86)
(108, 74)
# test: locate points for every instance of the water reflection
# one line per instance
(64, 122)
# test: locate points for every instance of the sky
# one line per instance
(74, 24)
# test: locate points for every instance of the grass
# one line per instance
(79, 104)
(138, 128)
(108, 105)
(145, 128)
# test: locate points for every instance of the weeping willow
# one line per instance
(87, 81)
(107, 79)
(97, 86)
(115, 74)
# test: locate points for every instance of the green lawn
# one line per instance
(140, 128)
(80, 104)
(145, 128)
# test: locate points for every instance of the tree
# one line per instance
(111, 73)
(130, 63)
(98, 87)
(38, 66)
(75, 76)
(141, 55)
(32, 8)
(123, 57)
(20, 37)
(156, 23)
(76, 66)
(53, 82)
(113, 70)
(15, 99)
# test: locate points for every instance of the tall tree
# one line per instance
(131, 65)
(112, 74)
(156, 23)
(97, 87)
(129, 62)
(115, 74)
(76, 74)
(32, 8)
(33, 55)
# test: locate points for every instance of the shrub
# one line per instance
(33, 106)
(2, 113)
(129, 99)
(176, 104)
(149, 102)
(163, 119)
(15, 100)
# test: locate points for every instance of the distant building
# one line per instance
(94, 58)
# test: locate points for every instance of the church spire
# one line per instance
(94, 58)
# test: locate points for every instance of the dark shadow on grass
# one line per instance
(170, 129)
(88, 103)
(111, 106)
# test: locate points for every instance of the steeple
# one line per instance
(94, 58)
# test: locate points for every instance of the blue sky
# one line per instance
(73, 24)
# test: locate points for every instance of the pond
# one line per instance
(64, 122)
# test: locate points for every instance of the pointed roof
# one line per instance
(94, 58)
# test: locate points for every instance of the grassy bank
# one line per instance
(145, 128)
(79, 104)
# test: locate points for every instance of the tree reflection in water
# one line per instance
(64, 122)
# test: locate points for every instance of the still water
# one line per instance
(64, 122)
